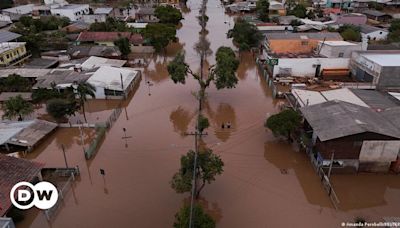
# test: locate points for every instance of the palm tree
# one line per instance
(17, 107)
(83, 90)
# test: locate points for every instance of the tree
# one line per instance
(123, 45)
(168, 14)
(159, 35)
(43, 94)
(299, 10)
(209, 165)
(6, 4)
(262, 8)
(201, 219)
(60, 108)
(110, 25)
(394, 31)
(202, 123)
(17, 107)
(245, 35)
(350, 33)
(84, 90)
(15, 83)
(223, 73)
(284, 123)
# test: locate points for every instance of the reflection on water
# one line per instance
(181, 119)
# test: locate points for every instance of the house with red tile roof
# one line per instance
(14, 170)
(108, 38)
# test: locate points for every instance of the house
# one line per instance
(114, 82)
(108, 38)
(6, 36)
(30, 74)
(14, 170)
(41, 63)
(41, 10)
(61, 78)
(16, 12)
(137, 26)
(373, 33)
(93, 62)
(277, 8)
(93, 18)
(296, 43)
(76, 27)
(340, 4)
(287, 20)
(74, 12)
(356, 19)
(353, 137)
(82, 51)
(24, 135)
(13, 53)
(272, 27)
(107, 11)
(377, 15)
(380, 68)
(146, 15)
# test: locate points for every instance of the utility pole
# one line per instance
(197, 133)
(330, 166)
(65, 158)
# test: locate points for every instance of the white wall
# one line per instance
(377, 35)
(74, 14)
(305, 67)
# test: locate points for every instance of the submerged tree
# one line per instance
(223, 73)
(245, 35)
(159, 35)
(209, 165)
(284, 123)
(17, 107)
(168, 14)
(201, 218)
(84, 90)
(15, 83)
(60, 108)
(123, 45)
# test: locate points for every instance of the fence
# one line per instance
(94, 145)
(63, 189)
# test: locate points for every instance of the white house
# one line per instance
(16, 12)
(373, 33)
(114, 82)
(74, 12)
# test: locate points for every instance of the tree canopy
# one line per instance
(245, 35)
(168, 14)
(298, 10)
(350, 33)
(123, 45)
(110, 25)
(159, 35)
(394, 31)
(15, 83)
(262, 8)
(209, 165)
(84, 90)
(60, 108)
(17, 107)
(283, 123)
(201, 218)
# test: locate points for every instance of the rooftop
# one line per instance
(61, 77)
(375, 13)
(94, 61)
(24, 72)
(72, 6)
(103, 10)
(146, 11)
(14, 170)
(338, 43)
(335, 119)
(369, 29)
(109, 36)
(6, 36)
(32, 134)
(22, 9)
(41, 63)
(5, 96)
(314, 36)
(384, 59)
(97, 50)
(6, 46)
(110, 77)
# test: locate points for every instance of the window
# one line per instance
(341, 54)
(380, 33)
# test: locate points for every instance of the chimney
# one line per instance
(78, 68)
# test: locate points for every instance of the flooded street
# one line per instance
(266, 182)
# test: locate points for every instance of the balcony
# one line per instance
(17, 60)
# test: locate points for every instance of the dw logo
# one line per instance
(25, 195)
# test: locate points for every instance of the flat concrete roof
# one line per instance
(384, 59)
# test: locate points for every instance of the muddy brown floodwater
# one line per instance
(266, 182)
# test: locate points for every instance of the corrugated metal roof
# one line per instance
(110, 77)
(311, 35)
(6, 36)
(336, 119)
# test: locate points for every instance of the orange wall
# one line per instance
(293, 46)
